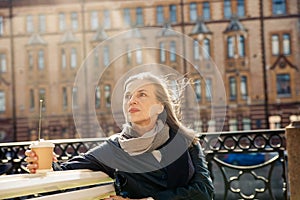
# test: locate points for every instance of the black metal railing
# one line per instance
(243, 164)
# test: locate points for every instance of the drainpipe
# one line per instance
(12, 63)
(183, 39)
(263, 58)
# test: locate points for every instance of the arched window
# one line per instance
(41, 59)
(162, 52)
(230, 47)
(241, 46)
(196, 50)
(275, 45)
(206, 45)
(172, 51)
(232, 88)
(73, 58)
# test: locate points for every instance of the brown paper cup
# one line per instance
(44, 152)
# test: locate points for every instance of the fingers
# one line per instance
(54, 158)
(32, 161)
(32, 167)
(114, 197)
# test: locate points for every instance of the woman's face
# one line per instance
(140, 105)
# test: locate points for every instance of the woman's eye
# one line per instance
(143, 94)
(127, 96)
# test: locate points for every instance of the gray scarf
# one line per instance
(134, 144)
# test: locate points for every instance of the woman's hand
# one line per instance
(32, 160)
(114, 197)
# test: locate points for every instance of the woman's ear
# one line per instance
(161, 109)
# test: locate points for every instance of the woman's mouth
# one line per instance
(133, 110)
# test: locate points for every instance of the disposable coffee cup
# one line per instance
(44, 151)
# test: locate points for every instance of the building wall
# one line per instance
(20, 122)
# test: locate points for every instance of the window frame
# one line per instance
(227, 10)
(193, 11)
(285, 94)
(173, 13)
(206, 15)
(279, 7)
(2, 101)
(160, 15)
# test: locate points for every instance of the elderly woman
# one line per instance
(155, 156)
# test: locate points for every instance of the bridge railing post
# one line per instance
(293, 150)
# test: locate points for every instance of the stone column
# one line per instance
(293, 149)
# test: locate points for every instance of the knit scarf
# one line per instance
(134, 144)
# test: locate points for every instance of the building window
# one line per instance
(173, 13)
(75, 97)
(74, 20)
(2, 101)
(241, 46)
(106, 56)
(1, 25)
(127, 17)
(41, 60)
(62, 21)
(206, 10)
(30, 60)
(196, 50)
(106, 22)
(198, 126)
(294, 118)
(246, 124)
(230, 47)
(139, 16)
(244, 90)
(73, 58)
(233, 125)
(211, 126)
(241, 8)
(63, 59)
(42, 95)
(139, 56)
(29, 24)
(279, 7)
(94, 20)
(283, 83)
(159, 15)
(97, 97)
(286, 44)
(206, 46)
(227, 9)
(31, 99)
(162, 52)
(96, 57)
(208, 91)
(3, 67)
(129, 55)
(232, 88)
(42, 23)
(173, 51)
(275, 45)
(65, 98)
(198, 89)
(275, 121)
(107, 94)
(193, 12)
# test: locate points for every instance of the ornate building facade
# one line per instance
(254, 44)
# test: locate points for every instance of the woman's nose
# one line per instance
(132, 100)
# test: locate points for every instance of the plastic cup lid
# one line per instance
(41, 143)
